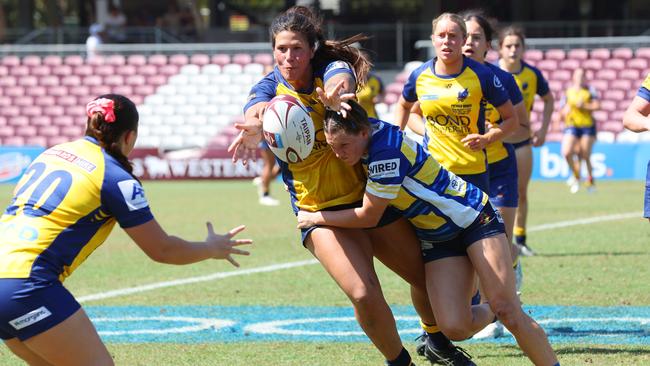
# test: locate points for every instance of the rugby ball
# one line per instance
(288, 129)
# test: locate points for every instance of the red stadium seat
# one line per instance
(265, 59)
(28, 81)
(52, 60)
(7, 131)
(57, 90)
(168, 70)
(630, 74)
(18, 121)
(612, 126)
(3, 121)
(84, 70)
(37, 91)
(40, 70)
(5, 101)
(135, 80)
(534, 55)
(555, 54)
(560, 75)
(114, 80)
(44, 100)
(8, 81)
(73, 60)
(137, 99)
(4, 70)
(49, 131)
(136, 60)
(26, 131)
(600, 116)
(36, 141)
(578, 54)
(14, 91)
(23, 100)
(127, 70)
(547, 65)
(66, 100)
(96, 90)
(62, 70)
(643, 52)
(157, 59)
(623, 53)
(592, 64)
(55, 140)
(556, 85)
(144, 90)
(147, 70)
(126, 90)
(200, 59)
(179, 59)
(638, 64)
(614, 95)
(32, 60)
(606, 74)
(104, 70)
(601, 53)
(63, 121)
(621, 84)
(54, 110)
(569, 64)
(92, 80)
(220, 59)
(33, 111)
(13, 141)
(49, 80)
(242, 58)
(157, 80)
(116, 60)
(614, 64)
(71, 80)
(19, 70)
(10, 60)
(96, 60)
(608, 105)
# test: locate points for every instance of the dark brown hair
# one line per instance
(300, 19)
(108, 134)
(512, 30)
(355, 121)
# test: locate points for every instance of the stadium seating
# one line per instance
(192, 100)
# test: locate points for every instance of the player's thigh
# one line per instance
(490, 258)
(569, 142)
(450, 285)
(346, 254)
(398, 248)
(27, 355)
(72, 342)
(586, 145)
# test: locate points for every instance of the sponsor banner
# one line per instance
(200, 164)
(14, 161)
(609, 161)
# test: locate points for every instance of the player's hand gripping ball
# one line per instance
(288, 129)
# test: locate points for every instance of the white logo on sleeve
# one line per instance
(384, 168)
(30, 318)
(338, 65)
(497, 82)
(133, 194)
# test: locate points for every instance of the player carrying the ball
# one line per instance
(316, 71)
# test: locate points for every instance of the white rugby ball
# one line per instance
(288, 129)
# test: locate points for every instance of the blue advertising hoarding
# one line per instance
(14, 161)
(609, 161)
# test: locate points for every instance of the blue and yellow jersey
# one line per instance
(453, 107)
(321, 180)
(578, 117)
(644, 90)
(496, 151)
(530, 81)
(437, 202)
(63, 208)
(366, 96)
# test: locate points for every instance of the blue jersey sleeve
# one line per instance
(542, 84)
(509, 83)
(263, 91)
(387, 166)
(493, 89)
(644, 93)
(123, 196)
(337, 67)
(409, 92)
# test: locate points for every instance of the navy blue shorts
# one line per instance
(519, 144)
(390, 215)
(581, 131)
(26, 312)
(646, 207)
(488, 223)
(503, 181)
(482, 180)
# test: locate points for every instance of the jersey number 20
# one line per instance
(63, 182)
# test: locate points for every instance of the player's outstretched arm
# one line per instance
(164, 248)
(245, 145)
(636, 117)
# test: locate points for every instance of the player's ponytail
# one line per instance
(300, 19)
(355, 121)
(110, 116)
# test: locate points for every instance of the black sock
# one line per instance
(520, 239)
(404, 359)
(439, 340)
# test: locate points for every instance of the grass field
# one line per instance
(604, 263)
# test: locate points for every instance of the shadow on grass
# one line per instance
(590, 254)
(512, 351)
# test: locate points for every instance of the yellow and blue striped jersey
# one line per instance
(644, 90)
(578, 117)
(63, 208)
(496, 151)
(530, 81)
(366, 96)
(454, 107)
(321, 180)
(437, 202)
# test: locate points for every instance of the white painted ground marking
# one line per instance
(185, 281)
(199, 324)
(276, 267)
(277, 327)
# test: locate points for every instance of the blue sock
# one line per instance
(557, 364)
(476, 299)
(404, 359)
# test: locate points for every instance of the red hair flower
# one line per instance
(104, 106)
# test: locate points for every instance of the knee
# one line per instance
(366, 296)
(458, 330)
(509, 313)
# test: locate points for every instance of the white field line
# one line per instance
(277, 267)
